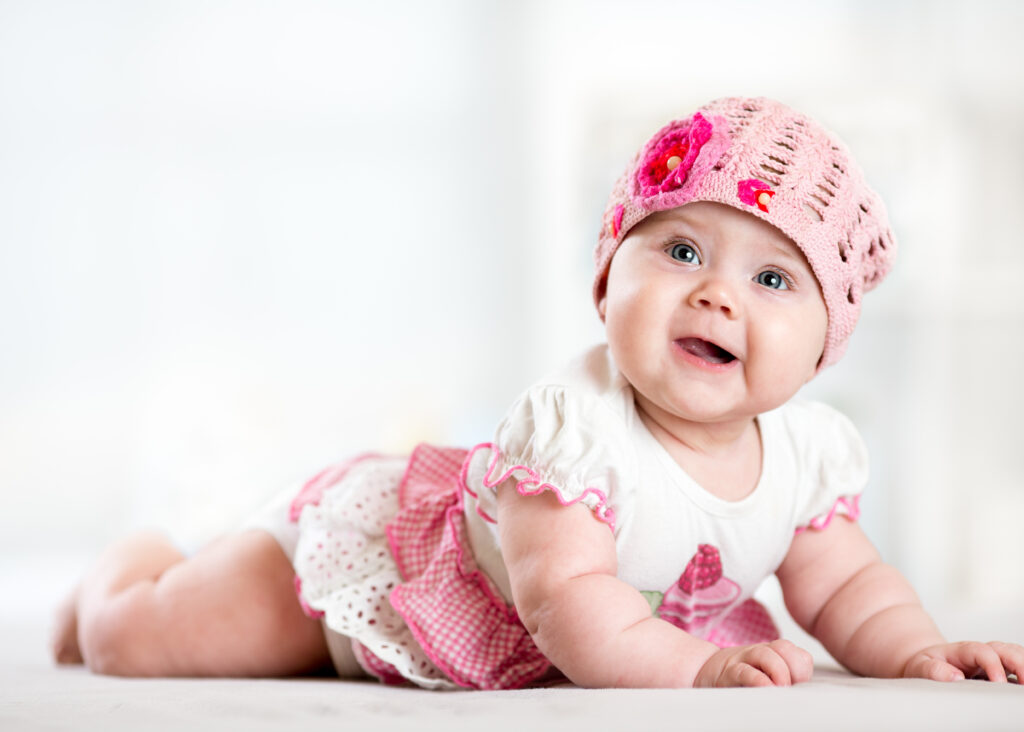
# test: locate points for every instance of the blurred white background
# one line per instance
(241, 240)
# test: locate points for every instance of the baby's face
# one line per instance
(712, 314)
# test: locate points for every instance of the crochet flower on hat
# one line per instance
(667, 162)
(754, 192)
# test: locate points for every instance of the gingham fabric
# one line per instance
(748, 624)
(453, 609)
(383, 555)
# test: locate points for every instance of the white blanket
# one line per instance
(35, 694)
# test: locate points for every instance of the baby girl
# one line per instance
(615, 530)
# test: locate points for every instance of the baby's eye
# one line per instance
(772, 279)
(685, 253)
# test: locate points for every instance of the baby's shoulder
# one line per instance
(816, 432)
(591, 382)
(807, 414)
(572, 410)
(570, 429)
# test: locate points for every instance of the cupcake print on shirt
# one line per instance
(701, 594)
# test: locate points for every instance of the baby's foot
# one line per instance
(64, 641)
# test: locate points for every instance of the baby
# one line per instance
(615, 530)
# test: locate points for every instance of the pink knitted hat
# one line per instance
(762, 157)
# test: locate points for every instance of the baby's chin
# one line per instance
(672, 412)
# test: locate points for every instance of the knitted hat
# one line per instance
(759, 156)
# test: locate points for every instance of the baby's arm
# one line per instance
(598, 630)
(868, 616)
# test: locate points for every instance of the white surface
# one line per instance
(34, 695)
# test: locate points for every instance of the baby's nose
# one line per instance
(716, 294)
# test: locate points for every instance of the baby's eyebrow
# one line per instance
(797, 257)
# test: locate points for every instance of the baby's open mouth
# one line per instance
(706, 350)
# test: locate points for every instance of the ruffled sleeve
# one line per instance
(836, 467)
(568, 440)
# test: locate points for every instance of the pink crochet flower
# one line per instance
(616, 225)
(668, 161)
(754, 192)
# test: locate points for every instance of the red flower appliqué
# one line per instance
(667, 163)
(616, 225)
(754, 192)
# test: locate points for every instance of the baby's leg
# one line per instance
(230, 610)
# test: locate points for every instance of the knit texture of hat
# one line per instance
(762, 157)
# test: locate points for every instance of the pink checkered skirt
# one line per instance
(383, 556)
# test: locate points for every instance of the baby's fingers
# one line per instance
(953, 661)
(973, 658)
(779, 663)
(782, 662)
(1011, 656)
(936, 669)
(747, 675)
(799, 663)
(770, 663)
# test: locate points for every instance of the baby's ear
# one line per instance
(602, 296)
(814, 371)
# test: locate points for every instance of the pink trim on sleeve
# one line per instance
(848, 506)
(483, 514)
(313, 490)
(531, 486)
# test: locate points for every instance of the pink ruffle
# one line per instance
(452, 608)
(532, 486)
(306, 609)
(381, 670)
(313, 490)
(848, 506)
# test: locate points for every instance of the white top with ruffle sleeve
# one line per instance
(696, 557)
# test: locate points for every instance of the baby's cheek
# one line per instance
(816, 319)
(805, 331)
(623, 347)
(623, 324)
(788, 354)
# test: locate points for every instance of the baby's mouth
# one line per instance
(705, 350)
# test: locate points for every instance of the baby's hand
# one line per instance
(955, 661)
(779, 663)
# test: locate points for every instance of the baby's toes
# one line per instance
(64, 641)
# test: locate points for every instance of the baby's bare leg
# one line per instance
(230, 610)
(64, 642)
